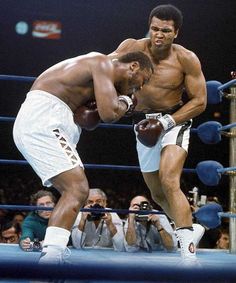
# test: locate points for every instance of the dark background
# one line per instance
(100, 25)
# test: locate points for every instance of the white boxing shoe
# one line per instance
(198, 232)
(54, 255)
(187, 247)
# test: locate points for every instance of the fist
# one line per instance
(149, 131)
(132, 107)
(87, 116)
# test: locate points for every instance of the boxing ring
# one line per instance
(105, 265)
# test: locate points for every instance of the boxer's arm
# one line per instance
(128, 45)
(195, 86)
(110, 108)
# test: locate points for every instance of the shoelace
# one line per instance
(181, 245)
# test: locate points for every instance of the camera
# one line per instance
(144, 205)
(95, 215)
(192, 197)
(35, 246)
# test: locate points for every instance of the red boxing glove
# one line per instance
(149, 131)
(87, 116)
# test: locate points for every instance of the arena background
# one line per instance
(100, 25)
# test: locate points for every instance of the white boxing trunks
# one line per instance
(149, 157)
(45, 133)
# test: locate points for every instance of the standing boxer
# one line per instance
(163, 138)
(46, 134)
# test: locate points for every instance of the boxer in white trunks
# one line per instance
(74, 93)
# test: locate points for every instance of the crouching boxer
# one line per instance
(47, 127)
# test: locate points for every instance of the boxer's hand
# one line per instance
(87, 116)
(149, 131)
(131, 103)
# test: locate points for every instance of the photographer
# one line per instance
(98, 229)
(35, 224)
(148, 232)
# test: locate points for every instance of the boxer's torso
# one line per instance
(166, 85)
(70, 80)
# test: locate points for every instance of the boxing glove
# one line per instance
(131, 103)
(149, 131)
(87, 117)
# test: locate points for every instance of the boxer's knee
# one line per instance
(170, 182)
(78, 191)
(158, 198)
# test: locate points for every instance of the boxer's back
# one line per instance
(71, 80)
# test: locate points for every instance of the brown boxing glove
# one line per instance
(149, 131)
(87, 117)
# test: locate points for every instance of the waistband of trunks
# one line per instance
(140, 115)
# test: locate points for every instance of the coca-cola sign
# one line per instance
(47, 29)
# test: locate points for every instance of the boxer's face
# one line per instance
(162, 33)
(136, 80)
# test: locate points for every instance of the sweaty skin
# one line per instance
(76, 81)
(92, 76)
(175, 69)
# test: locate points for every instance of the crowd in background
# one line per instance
(18, 189)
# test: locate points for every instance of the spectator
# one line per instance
(10, 233)
(3, 217)
(18, 217)
(98, 229)
(35, 224)
(149, 232)
(223, 240)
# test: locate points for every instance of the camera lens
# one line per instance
(95, 215)
(144, 205)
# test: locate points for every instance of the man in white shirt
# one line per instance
(148, 232)
(98, 229)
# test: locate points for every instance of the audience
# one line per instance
(119, 198)
(10, 233)
(35, 224)
(98, 229)
(223, 239)
(18, 217)
(148, 232)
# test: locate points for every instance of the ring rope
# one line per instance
(17, 78)
(227, 127)
(97, 210)
(123, 126)
(114, 167)
(109, 210)
(93, 166)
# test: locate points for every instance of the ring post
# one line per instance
(232, 161)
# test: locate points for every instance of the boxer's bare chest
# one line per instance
(165, 86)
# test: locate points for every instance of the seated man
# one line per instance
(98, 229)
(35, 224)
(223, 239)
(10, 233)
(148, 232)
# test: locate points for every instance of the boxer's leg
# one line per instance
(74, 188)
(171, 166)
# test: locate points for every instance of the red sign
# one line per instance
(47, 29)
